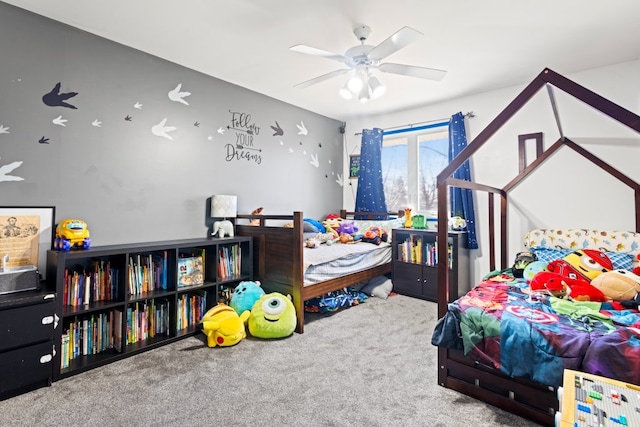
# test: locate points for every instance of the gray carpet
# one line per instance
(369, 365)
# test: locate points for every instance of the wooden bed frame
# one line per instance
(278, 258)
(455, 371)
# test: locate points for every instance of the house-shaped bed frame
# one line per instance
(455, 371)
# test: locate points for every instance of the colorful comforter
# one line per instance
(526, 335)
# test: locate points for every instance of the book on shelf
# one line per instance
(190, 271)
(229, 262)
(147, 273)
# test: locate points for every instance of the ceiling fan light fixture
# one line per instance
(377, 88)
(365, 94)
(355, 84)
(345, 92)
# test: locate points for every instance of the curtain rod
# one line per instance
(423, 125)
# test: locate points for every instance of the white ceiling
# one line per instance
(484, 45)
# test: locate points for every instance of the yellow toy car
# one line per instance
(71, 233)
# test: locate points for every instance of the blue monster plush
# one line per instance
(245, 295)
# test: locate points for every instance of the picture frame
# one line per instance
(354, 166)
(26, 234)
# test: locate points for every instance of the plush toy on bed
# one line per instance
(584, 263)
(245, 295)
(347, 228)
(272, 316)
(522, 260)
(332, 221)
(618, 285)
(375, 235)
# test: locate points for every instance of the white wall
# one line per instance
(567, 191)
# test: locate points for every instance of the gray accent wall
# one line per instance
(103, 163)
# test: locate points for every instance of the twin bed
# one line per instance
(283, 264)
(506, 346)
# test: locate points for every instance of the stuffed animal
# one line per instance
(532, 269)
(223, 228)
(347, 228)
(256, 211)
(618, 285)
(407, 217)
(223, 327)
(245, 295)
(585, 263)
(346, 238)
(549, 283)
(522, 260)
(272, 316)
(375, 235)
(332, 221)
(576, 288)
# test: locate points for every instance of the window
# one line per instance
(411, 162)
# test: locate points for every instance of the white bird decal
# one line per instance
(290, 150)
(96, 123)
(6, 169)
(176, 95)
(339, 180)
(210, 138)
(4, 129)
(314, 160)
(139, 106)
(161, 129)
(221, 130)
(60, 121)
(301, 129)
(281, 142)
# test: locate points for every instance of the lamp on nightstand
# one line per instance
(222, 208)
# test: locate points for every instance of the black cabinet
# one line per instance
(27, 326)
(414, 265)
(119, 300)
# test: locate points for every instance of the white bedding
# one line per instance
(328, 262)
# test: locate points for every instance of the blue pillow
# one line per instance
(313, 226)
(620, 260)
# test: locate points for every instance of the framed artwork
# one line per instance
(26, 233)
(354, 165)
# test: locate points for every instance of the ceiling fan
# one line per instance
(361, 60)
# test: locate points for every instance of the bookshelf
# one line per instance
(415, 261)
(119, 300)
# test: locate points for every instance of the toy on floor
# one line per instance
(245, 295)
(223, 327)
(272, 316)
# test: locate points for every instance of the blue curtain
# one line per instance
(370, 193)
(461, 199)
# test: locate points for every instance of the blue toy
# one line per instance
(245, 295)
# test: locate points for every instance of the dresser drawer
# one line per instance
(26, 367)
(26, 325)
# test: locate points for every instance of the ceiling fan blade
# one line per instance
(413, 71)
(308, 50)
(398, 40)
(322, 78)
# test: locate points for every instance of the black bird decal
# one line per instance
(128, 118)
(320, 144)
(43, 140)
(57, 99)
(197, 124)
(278, 130)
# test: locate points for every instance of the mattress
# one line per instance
(331, 261)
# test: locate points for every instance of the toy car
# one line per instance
(71, 233)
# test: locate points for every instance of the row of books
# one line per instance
(100, 284)
(191, 307)
(91, 335)
(147, 273)
(415, 251)
(147, 319)
(229, 262)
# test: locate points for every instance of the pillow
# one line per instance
(380, 286)
(620, 260)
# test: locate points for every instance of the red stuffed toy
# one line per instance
(562, 286)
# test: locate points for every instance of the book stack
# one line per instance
(147, 273)
(147, 319)
(190, 309)
(91, 335)
(229, 262)
(101, 284)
